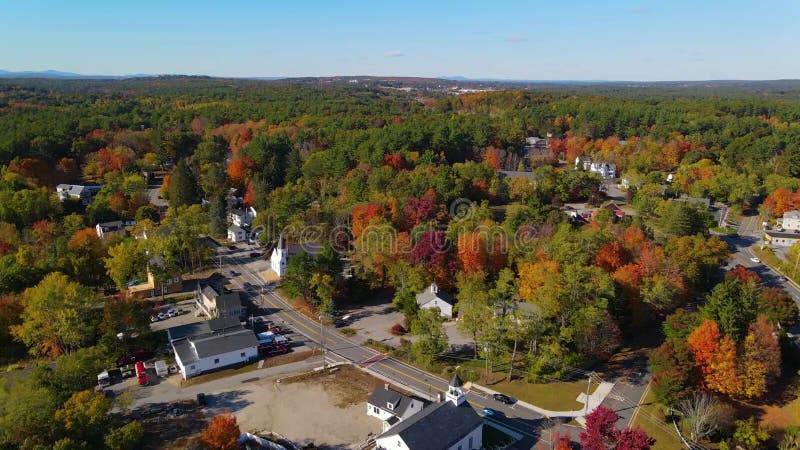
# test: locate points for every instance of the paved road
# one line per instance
(340, 348)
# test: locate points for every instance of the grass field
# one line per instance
(651, 419)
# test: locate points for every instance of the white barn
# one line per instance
(433, 298)
(196, 354)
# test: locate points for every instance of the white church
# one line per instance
(279, 258)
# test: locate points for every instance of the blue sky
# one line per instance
(537, 40)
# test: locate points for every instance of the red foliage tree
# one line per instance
(250, 194)
(418, 210)
(432, 251)
(240, 171)
(362, 215)
(742, 274)
(35, 169)
(222, 433)
(395, 161)
(780, 201)
(601, 433)
(610, 257)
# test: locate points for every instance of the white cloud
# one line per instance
(393, 53)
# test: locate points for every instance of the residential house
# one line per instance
(790, 220)
(196, 354)
(391, 406)
(616, 210)
(606, 170)
(279, 258)
(115, 228)
(537, 151)
(158, 282)
(236, 234)
(214, 305)
(452, 424)
(242, 217)
(84, 193)
(433, 298)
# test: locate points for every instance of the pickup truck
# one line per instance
(109, 377)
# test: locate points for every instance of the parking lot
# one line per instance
(188, 315)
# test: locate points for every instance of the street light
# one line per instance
(589, 383)
(322, 341)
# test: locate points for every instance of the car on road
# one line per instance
(755, 260)
(255, 254)
(489, 412)
(781, 278)
(502, 398)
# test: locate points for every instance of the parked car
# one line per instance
(755, 260)
(255, 254)
(125, 360)
(142, 355)
(276, 350)
(172, 312)
(155, 318)
(201, 399)
(163, 316)
(502, 398)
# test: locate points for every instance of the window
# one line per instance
(241, 354)
(216, 361)
(470, 442)
(192, 367)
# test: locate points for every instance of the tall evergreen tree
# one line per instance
(183, 186)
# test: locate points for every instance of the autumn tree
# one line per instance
(723, 375)
(777, 305)
(84, 416)
(222, 434)
(761, 361)
(673, 370)
(704, 343)
(57, 317)
(601, 433)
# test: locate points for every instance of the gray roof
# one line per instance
(191, 349)
(428, 296)
(456, 381)
(224, 343)
(438, 426)
(228, 302)
(204, 327)
(235, 229)
(209, 292)
(382, 396)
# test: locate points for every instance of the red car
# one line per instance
(142, 355)
(276, 330)
(277, 350)
(125, 359)
(141, 373)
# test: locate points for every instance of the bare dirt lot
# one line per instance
(328, 410)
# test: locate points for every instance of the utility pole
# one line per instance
(322, 341)
(588, 384)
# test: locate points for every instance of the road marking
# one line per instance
(639, 403)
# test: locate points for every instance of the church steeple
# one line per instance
(455, 393)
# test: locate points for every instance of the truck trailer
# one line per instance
(161, 368)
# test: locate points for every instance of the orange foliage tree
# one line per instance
(781, 200)
(704, 343)
(363, 215)
(240, 171)
(222, 433)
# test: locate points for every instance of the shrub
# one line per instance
(349, 332)
(398, 330)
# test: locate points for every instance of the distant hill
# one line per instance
(57, 74)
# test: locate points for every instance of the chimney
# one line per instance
(386, 386)
(439, 397)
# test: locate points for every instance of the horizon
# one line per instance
(626, 41)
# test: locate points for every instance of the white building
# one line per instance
(279, 258)
(433, 298)
(236, 234)
(606, 170)
(76, 191)
(242, 217)
(791, 220)
(452, 424)
(206, 352)
(107, 229)
(391, 407)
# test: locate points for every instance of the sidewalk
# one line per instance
(594, 400)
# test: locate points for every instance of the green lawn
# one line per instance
(556, 396)
(649, 418)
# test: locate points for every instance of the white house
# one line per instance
(76, 191)
(107, 229)
(203, 353)
(236, 234)
(791, 220)
(433, 298)
(391, 407)
(452, 424)
(604, 169)
(242, 217)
